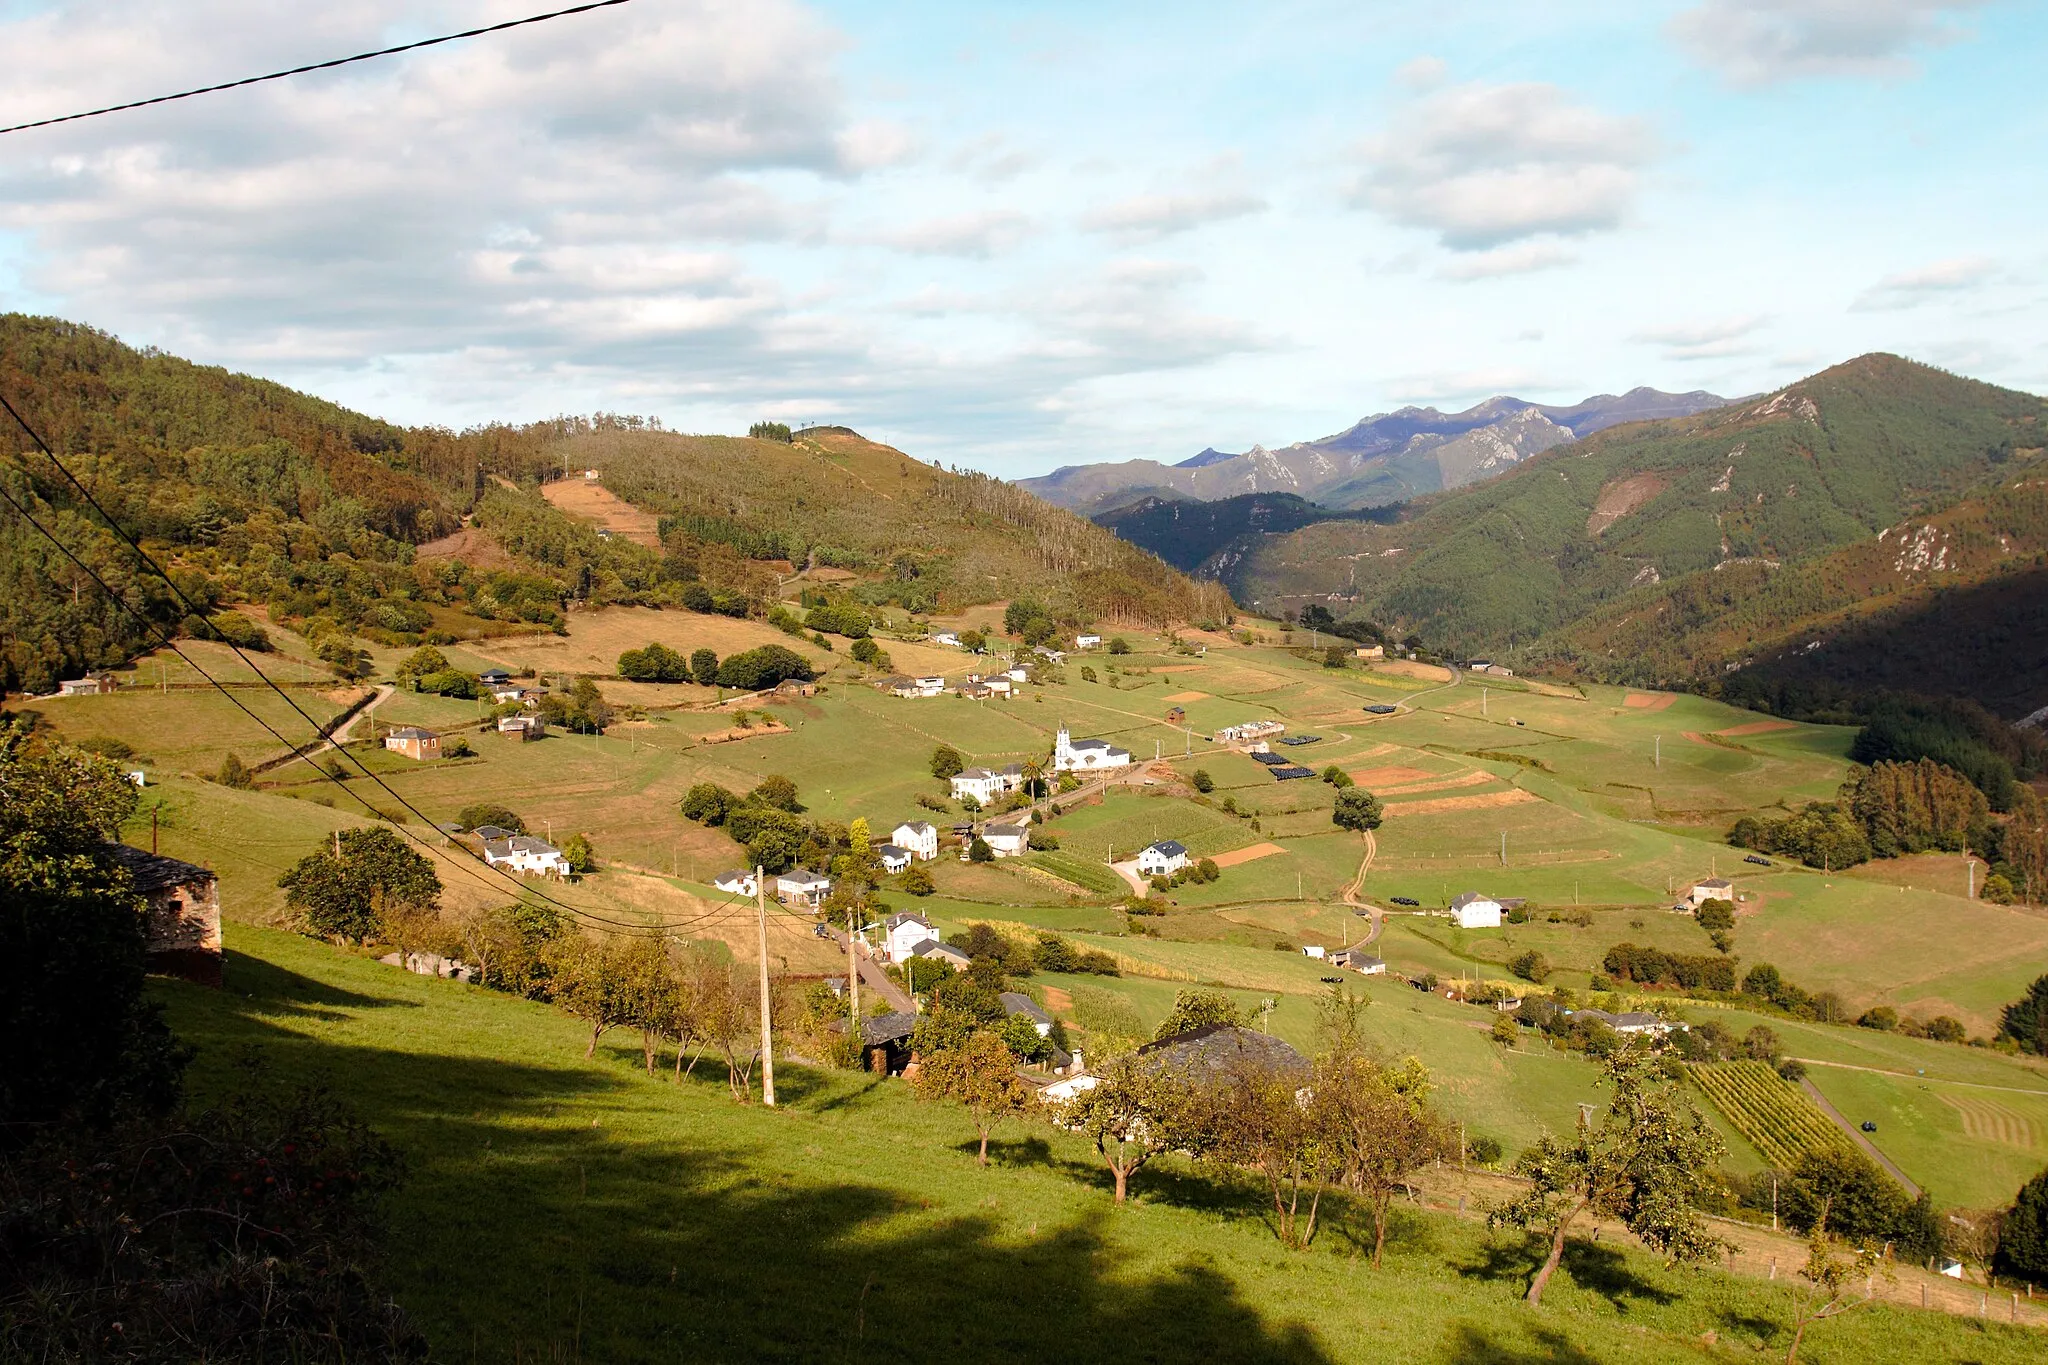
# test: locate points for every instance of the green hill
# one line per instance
(260, 494)
(1207, 537)
(1744, 493)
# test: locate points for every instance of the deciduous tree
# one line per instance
(344, 896)
(981, 1074)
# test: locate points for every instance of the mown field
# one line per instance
(560, 1209)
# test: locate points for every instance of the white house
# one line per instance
(1371, 651)
(1358, 960)
(985, 784)
(508, 692)
(526, 727)
(919, 837)
(524, 853)
(1068, 1087)
(931, 685)
(1086, 755)
(1162, 859)
(1712, 889)
(738, 882)
(1087, 641)
(1001, 684)
(894, 859)
(1250, 730)
(902, 935)
(1006, 841)
(1474, 911)
(1017, 675)
(801, 886)
(947, 637)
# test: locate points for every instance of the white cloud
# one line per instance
(1520, 259)
(1484, 165)
(1760, 42)
(1909, 288)
(1705, 340)
(1422, 73)
(1146, 217)
(980, 235)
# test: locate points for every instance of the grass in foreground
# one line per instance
(581, 1211)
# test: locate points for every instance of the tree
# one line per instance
(1336, 656)
(1831, 1278)
(708, 803)
(1505, 1031)
(345, 897)
(654, 663)
(1132, 1114)
(1531, 966)
(1202, 782)
(2025, 1021)
(1257, 1116)
(650, 995)
(1356, 809)
(578, 853)
(588, 982)
(85, 1038)
(1195, 1009)
(481, 813)
(1643, 1163)
(980, 852)
(1972, 1236)
(947, 763)
(981, 1075)
(973, 641)
(917, 880)
(724, 1004)
(1337, 777)
(1380, 1123)
(777, 791)
(2023, 1242)
(763, 667)
(704, 667)
(421, 662)
(234, 773)
(1119, 645)
(1715, 916)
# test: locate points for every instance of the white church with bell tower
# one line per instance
(1071, 755)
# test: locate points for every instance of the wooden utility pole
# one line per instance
(767, 1030)
(853, 990)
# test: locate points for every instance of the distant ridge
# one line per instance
(1386, 458)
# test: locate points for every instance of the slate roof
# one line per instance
(1290, 774)
(1016, 1002)
(153, 871)
(1216, 1050)
(491, 833)
(887, 1028)
(896, 921)
(918, 826)
(1465, 898)
(412, 732)
(1168, 848)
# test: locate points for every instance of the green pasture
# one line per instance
(1969, 1146)
(557, 1208)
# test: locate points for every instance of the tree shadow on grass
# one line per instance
(275, 990)
(528, 1230)
(1597, 1269)
(1470, 1346)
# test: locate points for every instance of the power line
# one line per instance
(320, 66)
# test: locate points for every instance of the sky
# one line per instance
(1013, 237)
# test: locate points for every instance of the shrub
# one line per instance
(704, 667)
(980, 852)
(947, 762)
(1202, 781)
(763, 667)
(483, 813)
(1531, 966)
(654, 663)
(234, 773)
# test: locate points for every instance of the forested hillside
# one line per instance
(340, 523)
(1206, 538)
(1571, 556)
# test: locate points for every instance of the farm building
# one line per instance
(1017, 1003)
(1711, 889)
(1371, 651)
(1087, 641)
(494, 677)
(526, 727)
(934, 951)
(1162, 859)
(1006, 841)
(89, 686)
(414, 743)
(1176, 715)
(930, 685)
(975, 691)
(738, 882)
(1474, 911)
(947, 637)
(893, 859)
(1221, 1050)
(1249, 731)
(1358, 960)
(525, 853)
(1071, 755)
(182, 914)
(802, 887)
(917, 837)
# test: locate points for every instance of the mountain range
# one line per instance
(1815, 531)
(1386, 458)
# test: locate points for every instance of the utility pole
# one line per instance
(1657, 753)
(1482, 701)
(1503, 848)
(853, 989)
(767, 1030)
(1970, 888)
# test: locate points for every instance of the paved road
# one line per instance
(1856, 1136)
(873, 977)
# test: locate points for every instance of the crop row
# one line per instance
(1772, 1113)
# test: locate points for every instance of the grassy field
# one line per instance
(558, 1209)
(1611, 808)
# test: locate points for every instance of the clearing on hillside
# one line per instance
(1375, 778)
(1246, 855)
(1444, 805)
(594, 503)
(1649, 701)
(1620, 498)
